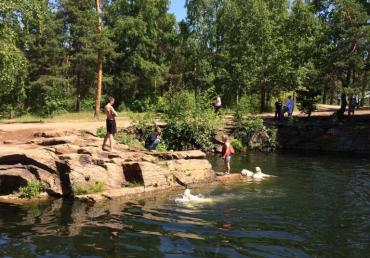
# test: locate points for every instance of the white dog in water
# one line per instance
(187, 197)
(255, 175)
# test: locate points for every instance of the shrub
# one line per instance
(190, 121)
(237, 145)
(101, 132)
(247, 128)
(93, 188)
(128, 140)
(249, 104)
(32, 189)
(162, 147)
(307, 100)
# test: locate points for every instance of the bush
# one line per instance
(129, 140)
(237, 145)
(247, 128)
(162, 147)
(307, 100)
(190, 121)
(101, 132)
(93, 188)
(32, 189)
(249, 104)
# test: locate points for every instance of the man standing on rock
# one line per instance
(110, 123)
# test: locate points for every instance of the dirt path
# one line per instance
(25, 131)
(323, 111)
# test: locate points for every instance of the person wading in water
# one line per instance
(227, 152)
(110, 123)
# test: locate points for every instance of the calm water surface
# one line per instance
(317, 206)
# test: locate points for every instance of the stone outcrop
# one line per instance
(327, 136)
(67, 162)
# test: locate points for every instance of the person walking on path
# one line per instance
(278, 110)
(153, 139)
(289, 105)
(216, 101)
(110, 124)
(227, 152)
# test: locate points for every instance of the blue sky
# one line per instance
(177, 7)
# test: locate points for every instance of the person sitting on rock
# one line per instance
(227, 152)
(153, 139)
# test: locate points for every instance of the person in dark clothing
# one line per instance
(153, 139)
(110, 124)
(278, 110)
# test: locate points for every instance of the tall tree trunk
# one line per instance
(263, 100)
(324, 95)
(99, 66)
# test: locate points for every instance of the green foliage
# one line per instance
(13, 73)
(190, 121)
(101, 132)
(247, 51)
(162, 147)
(247, 128)
(32, 189)
(307, 100)
(93, 188)
(249, 104)
(237, 145)
(133, 185)
(127, 139)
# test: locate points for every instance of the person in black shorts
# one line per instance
(110, 123)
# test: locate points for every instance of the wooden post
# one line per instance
(99, 66)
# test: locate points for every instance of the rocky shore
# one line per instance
(66, 161)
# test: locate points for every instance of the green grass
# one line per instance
(94, 188)
(70, 116)
(134, 184)
(32, 189)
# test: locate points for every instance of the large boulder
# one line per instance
(191, 171)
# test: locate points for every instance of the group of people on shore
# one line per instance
(280, 110)
(153, 139)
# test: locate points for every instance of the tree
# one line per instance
(84, 43)
(145, 34)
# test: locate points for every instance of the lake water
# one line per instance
(317, 206)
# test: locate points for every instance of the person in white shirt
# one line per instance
(217, 103)
(289, 106)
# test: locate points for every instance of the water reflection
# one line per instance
(314, 207)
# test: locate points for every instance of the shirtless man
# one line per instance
(111, 123)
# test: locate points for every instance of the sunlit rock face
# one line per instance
(66, 161)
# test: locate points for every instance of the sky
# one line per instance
(177, 7)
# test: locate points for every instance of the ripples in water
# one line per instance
(315, 207)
